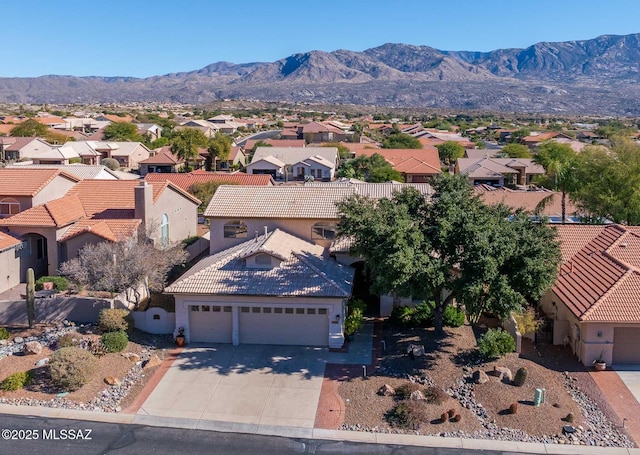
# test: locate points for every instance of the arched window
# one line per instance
(9, 206)
(235, 230)
(323, 231)
(164, 229)
(263, 259)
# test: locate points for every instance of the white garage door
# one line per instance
(294, 326)
(210, 323)
(625, 345)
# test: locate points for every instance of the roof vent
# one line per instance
(623, 245)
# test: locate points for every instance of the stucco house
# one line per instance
(415, 165)
(499, 171)
(10, 247)
(81, 171)
(22, 188)
(594, 306)
(162, 161)
(99, 210)
(20, 148)
(128, 154)
(287, 162)
(274, 288)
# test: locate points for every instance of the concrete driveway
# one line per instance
(630, 375)
(250, 384)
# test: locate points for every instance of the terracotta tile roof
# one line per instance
(573, 238)
(600, 282)
(35, 216)
(8, 241)
(59, 212)
(185, 181)
(109, 229)
(304, 271)
(540, 137)
(248, 145)
(49, 120)
(417, 166)
(117, 118)
(162, 157)
(28, 182)
(425, 160)
(526, 200)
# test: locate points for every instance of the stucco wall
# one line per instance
(9, 269)
(55, 189)
(183, 215)
(154, 320)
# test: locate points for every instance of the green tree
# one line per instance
(518, 135)
(514, 150)
(422, 248)
(372, 168)
(450, 151)
(205, 191)
(122, 132)
(399, 140)
(343, 150)
(30, 128)
(560, 162)
(260, 144)
(219, 149)
(609, 181)
(186, 142)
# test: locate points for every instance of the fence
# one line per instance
(155, 320)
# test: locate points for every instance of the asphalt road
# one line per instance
(38, 435)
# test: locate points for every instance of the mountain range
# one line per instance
(600, 76)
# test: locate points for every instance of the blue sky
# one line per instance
(151, 37)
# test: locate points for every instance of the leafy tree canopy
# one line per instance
(372, 168)
(343, 150)
(450, 151)
(516, 151)
(30, 128)
(186, 142)
(399, 140)
(205, 191)
(418, 247)
(219, 147)
(122, 131)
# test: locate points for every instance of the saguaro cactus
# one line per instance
(31, 297)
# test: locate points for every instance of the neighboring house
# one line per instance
(594, 306)
(415, 165)
(315, 167)
(98, 210)
(57, 155)
(499, 171)
(478, 154)
(279, 162)
(10, 247)
(316, 132)
(21, 189)
(237, 159)
(21, 148)
(208, 129)
(153, 131)
(535, 139)
(163, 161)
(128, 154)
(274, 288)
(81, 171)
(225, 123)
(249, 144)
(530, 202)
(112, 118)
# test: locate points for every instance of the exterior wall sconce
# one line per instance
(599, 333)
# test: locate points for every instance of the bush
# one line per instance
(405, 390)
(190, 240)
(408, 414)
(67, 340)
(423, 315)
(401, 315)
(420, 315)
(115, 319)
(435, 395)
(110, 163)
(520, 377)
(60, 283)
(355, 304)
(4, 334)
(353, 322)
(496, 343)
(71, 368)
(453, 317)
(115, 341)
(17, 380)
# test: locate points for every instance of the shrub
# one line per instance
(527, 321)
(405, 390)
(67, 340)
(115, 319)
(190, 240)
(17, 380)
(110, 163)
(420, 315)
(401, 315)
(453, 317)
(457, 418)
(357, 304)
(444, 417)
(408, 414)
(495, 343)
(60, 283)
(115, 341)
(71, 368)
(435, 395)
(513, 409)
(520, 377)
(4, 334)
(451, 412)
(423, 315)
(353, 321)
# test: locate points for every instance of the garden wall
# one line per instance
(198, 247)
(155, 320)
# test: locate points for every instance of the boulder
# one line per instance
(154, 361)
(113, 381)
(480, 377)
(41, 362)
(3, 342)
(416, 395)
(503, 373)
(415, 349)
(32, 348)
(131, 356)
(18, 340)
(386, 390)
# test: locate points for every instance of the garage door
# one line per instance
(294, 326)
(625, 348)
(210, 323)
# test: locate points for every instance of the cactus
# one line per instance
(520, 377)
(451, 412)
(513, 409)
(569, 417)
(444, 417)
(457, 418)
(31, 297)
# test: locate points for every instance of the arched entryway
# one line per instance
(34, 255)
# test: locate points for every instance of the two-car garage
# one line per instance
(288, 325)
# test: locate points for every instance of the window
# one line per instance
(277, 310)
(299, 310)
(235, 230)
(311, 311)
(323, 231)
(195, 308)
(288, 310)
(9, 206)
(216, 309)
(322, 311)
(244, 309)
(40, 248)
(227, 309)
(263, 259)
(164, 229)
(206, 308)
(266, 310)
(319, 173)
(255, 309)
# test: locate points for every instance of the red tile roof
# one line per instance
(275, 143)
(35, 216)
(427, 158)
(57, 213)
(28, 182)
(185, 181)
(600, 282)
(7, 241)
(164, 156)
(108, 229)
(526, 200)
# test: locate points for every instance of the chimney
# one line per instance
(143, 197)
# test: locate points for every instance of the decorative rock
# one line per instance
(131, 356)
(41, 362)
(386, 390)
(154, 361)
(416, 395)
(480, 377)
(112, 381)
(32, 348)
(18, 340)
(503, 373)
